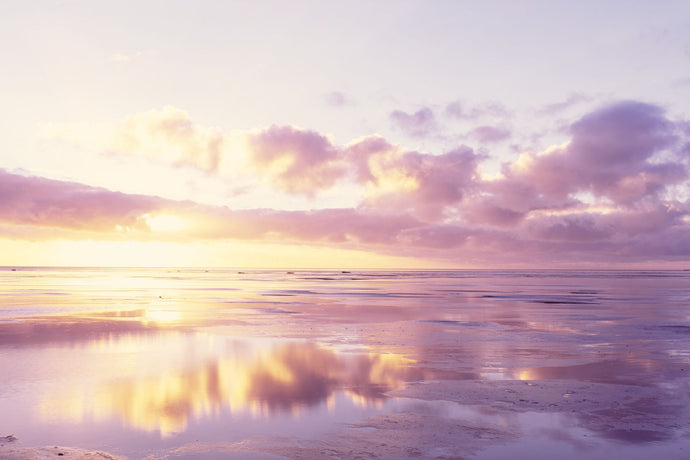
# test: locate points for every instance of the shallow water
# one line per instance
(146, 362)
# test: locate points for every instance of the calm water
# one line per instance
(141, 362)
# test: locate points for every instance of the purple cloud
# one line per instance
(558, 107)
(575, 228)
(299, 161)
(460, 111)
(616, 191)
(617, 152)
(426, 183)
(36, 201)
(419, 124)
(489, 134)
(360, 153)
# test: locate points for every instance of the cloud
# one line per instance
(298, 161)
(171, 135)
(558, 107)
(574, 228)
(337, 99)
(422, 184)
(36, 202)
(359, 154)
(619, 152)
(616, 190)
(619, 234)
(490, 211)
(460, 111)
(621, 135)
(40, 202)
(419, 124)
(440, 237)
(302, 161)
(489, 134)
(323, 226)
(166, 136)
(38, 208)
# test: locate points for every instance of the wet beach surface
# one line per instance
(160, 363)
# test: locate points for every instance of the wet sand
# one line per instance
(330, 365)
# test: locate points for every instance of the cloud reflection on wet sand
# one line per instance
(252, 379)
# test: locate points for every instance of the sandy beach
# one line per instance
(266, 365)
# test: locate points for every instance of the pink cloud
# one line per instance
(41, 202)
(359, 154)
(424, 184)
(39, 208)
(616, 191)
(298, 161)
(33, 204)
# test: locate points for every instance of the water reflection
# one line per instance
(250, 378)
(621, 371)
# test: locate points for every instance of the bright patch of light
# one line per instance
(163, 316)
(164, 223)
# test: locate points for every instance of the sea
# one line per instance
(237, 363)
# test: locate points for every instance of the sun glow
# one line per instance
(163, 316)
(164, 223)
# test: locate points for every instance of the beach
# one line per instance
(267, 364)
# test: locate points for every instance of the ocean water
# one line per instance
(153, 363)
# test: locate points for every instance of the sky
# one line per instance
(345, 134)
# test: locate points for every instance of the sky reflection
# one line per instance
(248, 377)
(228, 356)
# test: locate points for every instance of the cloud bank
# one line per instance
(616, 191)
